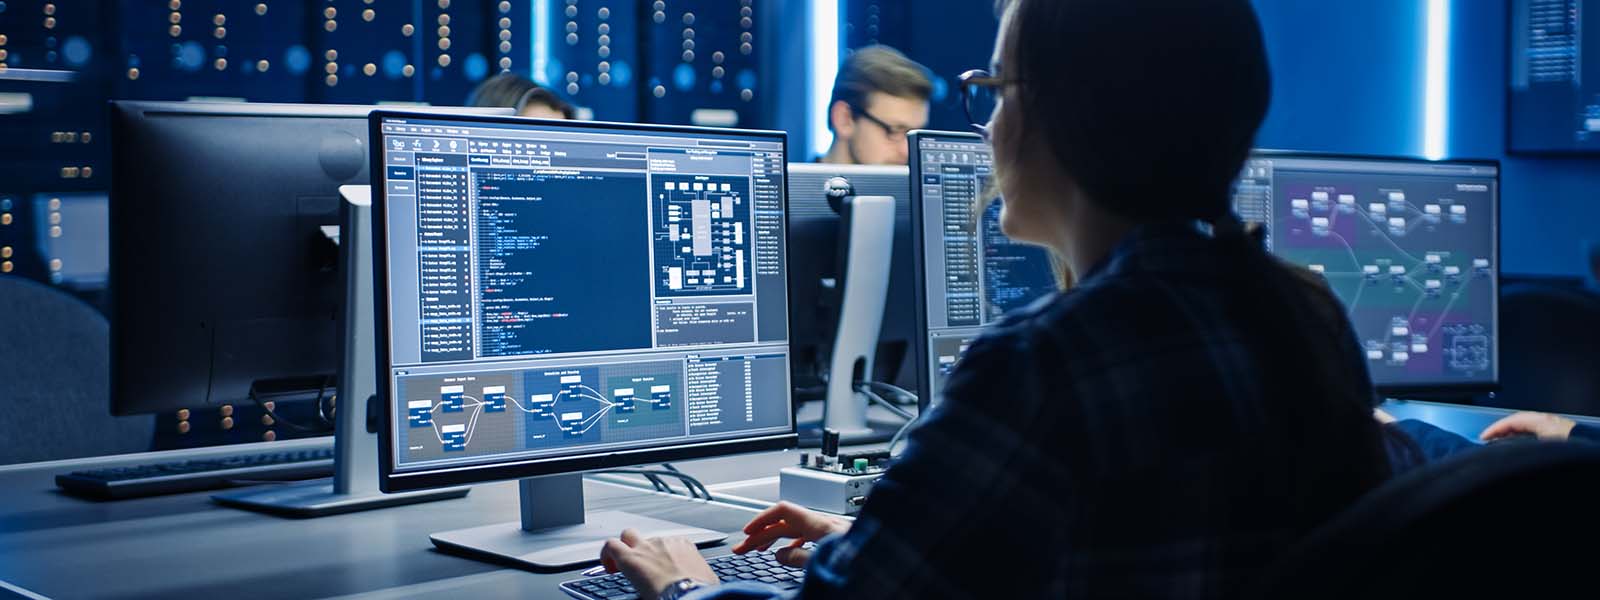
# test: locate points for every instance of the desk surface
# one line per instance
(57, 545)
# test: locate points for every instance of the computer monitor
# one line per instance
(223, 260)
(555, 297)
(231, 267)
(1410, 246)
(968, 273)
(818, 269)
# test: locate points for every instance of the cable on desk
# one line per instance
(688, 480)
(897, 394)
(900, 435)
(660, 485)
(321, 393)
(887, 405)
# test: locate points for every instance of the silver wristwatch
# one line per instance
(679, 588)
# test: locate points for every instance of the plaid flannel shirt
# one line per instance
(1118, 439)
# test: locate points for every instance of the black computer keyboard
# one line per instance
(200, 474)
(755, 566)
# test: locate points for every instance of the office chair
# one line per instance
(1549, 348)
(1515, 518)
(54, 379)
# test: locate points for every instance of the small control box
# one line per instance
(832, 481)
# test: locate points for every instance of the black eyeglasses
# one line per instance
(895, 133)
(980, 94)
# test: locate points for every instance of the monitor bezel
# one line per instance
(1432, 390)
(919, 276)
(392, 480)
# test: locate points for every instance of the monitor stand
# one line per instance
(354, 486)
(555, 533)
(866, 225)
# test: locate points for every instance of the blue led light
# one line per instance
(394, 64)
(77, 51)
(824, 65)
(298, 59)
(190, 56)
(476, 67)
(683, 77)
(621, 74)
(1436, 101)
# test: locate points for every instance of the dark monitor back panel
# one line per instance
(221, 257)
(814, 235)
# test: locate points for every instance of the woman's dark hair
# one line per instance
(1150, 105)
(510, 90)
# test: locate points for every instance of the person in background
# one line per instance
(878, 97)
(510, 90)
(1166, 428)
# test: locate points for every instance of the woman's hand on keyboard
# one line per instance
(653, 563)
(786, 520)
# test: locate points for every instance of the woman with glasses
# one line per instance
(1166, 427)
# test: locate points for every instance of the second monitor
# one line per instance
(1410, 246)
(969, 273)
(817, 268)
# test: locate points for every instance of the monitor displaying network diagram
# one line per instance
(969, 273)
(557, 291)
(1411, 248)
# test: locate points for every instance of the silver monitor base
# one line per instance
(316, 498)
(562, 547)
(555, 533)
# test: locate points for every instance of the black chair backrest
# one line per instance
(1517, 518)
(55, 379)
(1549, 349)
